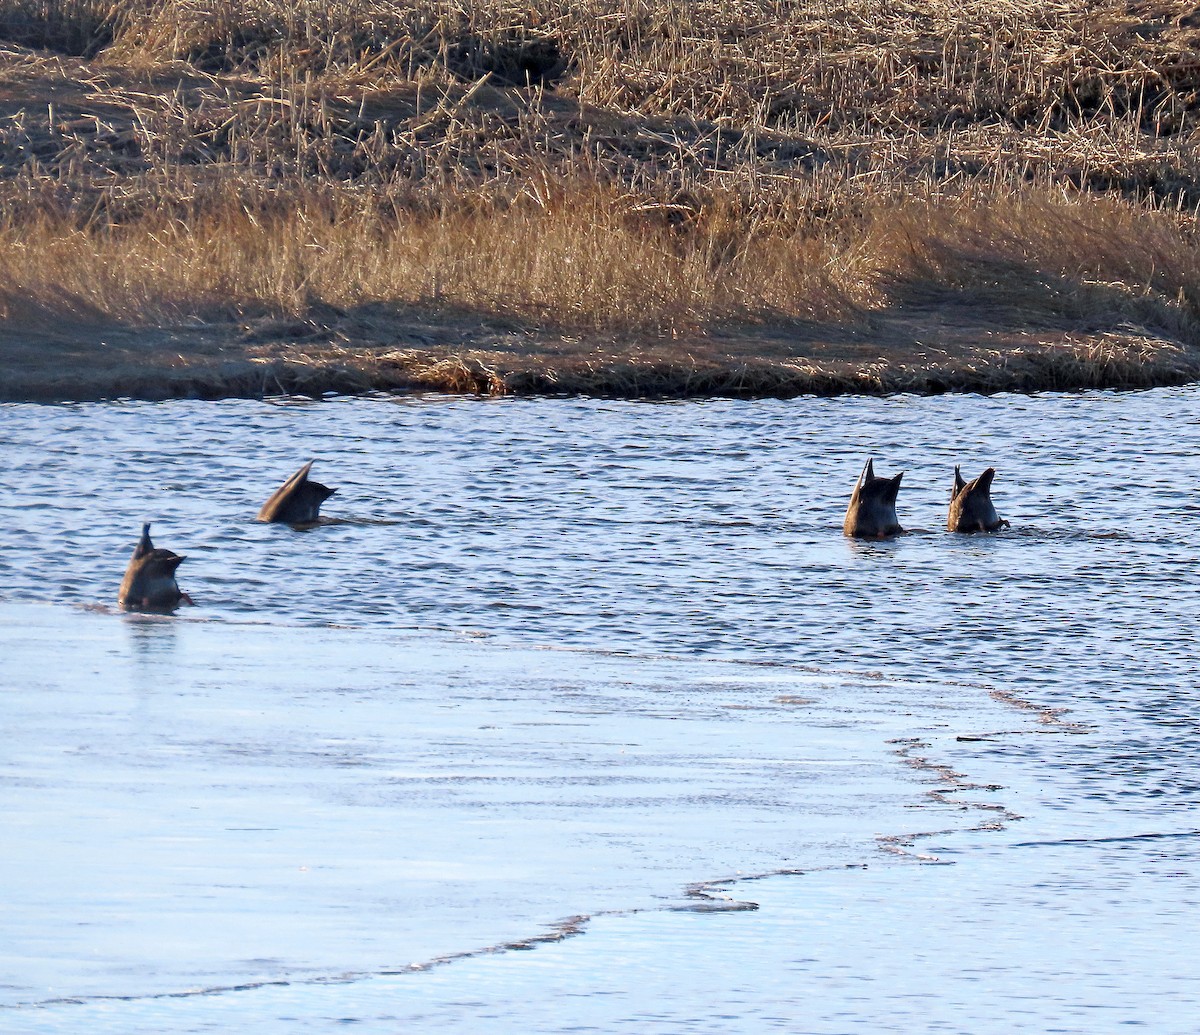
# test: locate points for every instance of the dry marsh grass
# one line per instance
(756, 197)
(587, 259)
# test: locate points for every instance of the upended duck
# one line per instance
(872, 510)
(297, 501)
(971, 508)
(149, 583)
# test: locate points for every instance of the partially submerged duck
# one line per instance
(149, 583)
(971, 508)
(872, 510)
(297, 501)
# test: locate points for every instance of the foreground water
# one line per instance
(551, 666)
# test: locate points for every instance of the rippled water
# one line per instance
(700, 527)
(684, 535)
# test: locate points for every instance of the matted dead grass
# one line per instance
(648, 198)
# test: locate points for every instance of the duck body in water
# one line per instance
(971, 508)
(872, 510)
(297, 501)
(149, 583)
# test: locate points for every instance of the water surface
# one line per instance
(563, 658)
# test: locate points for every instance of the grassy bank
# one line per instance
(641, 198)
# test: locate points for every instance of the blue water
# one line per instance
(644, 543)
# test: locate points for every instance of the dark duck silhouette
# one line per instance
(971, 508)
(297, 501)
(149, 583)
(872, 510)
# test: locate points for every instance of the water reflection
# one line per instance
(151, 637)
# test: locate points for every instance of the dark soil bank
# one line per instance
(384, 350)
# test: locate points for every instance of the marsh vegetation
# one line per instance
(640, 197)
